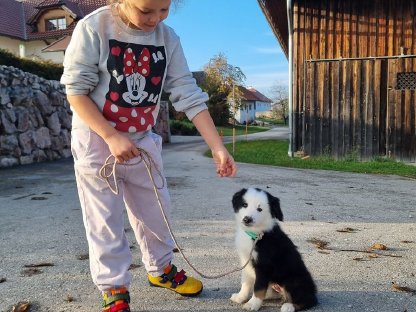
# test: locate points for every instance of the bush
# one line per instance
(178, 127)
(46, 69)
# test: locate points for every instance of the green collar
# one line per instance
(253, 235)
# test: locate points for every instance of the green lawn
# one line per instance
(240, 130)
(274, 152)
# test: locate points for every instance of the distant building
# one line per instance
(41, 29)
(253, 102)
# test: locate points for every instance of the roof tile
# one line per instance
(14, 16)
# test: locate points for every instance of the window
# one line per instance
(406, 81)
(56, 24)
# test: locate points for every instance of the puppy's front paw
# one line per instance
(237, 298)
(253, 304)
(287, 307)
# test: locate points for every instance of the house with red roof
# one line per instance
(253, 102)
(41, 29)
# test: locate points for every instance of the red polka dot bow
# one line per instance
(142, 66)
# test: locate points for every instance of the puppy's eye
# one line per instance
(259, 209)
(245, 205)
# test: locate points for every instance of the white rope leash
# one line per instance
(148, 161)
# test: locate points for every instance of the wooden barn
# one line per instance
(352, 72)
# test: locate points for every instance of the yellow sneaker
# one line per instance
(177, 282)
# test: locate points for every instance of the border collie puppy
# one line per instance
(275, 267)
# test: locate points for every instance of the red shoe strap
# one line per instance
(119, 307)
(178, 277)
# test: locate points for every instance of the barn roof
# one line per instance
(275, 12)
(251, 94)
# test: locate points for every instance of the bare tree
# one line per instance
(280, 97)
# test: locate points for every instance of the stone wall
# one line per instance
(35, 119)
(162, 124)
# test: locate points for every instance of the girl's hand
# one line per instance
(224, 162)
(121, 147)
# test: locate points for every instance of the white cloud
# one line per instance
(280, 66)
(265, 81)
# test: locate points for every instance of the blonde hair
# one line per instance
(175, 2)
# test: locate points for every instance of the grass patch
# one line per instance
(241, 130)
(274, 152)
(272, 121)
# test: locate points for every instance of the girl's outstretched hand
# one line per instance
(224, 162)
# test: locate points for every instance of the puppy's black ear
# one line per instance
(274, 204)
(238, 199)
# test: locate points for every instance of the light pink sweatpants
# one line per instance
(103, 211)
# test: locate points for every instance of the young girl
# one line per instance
(119, 60)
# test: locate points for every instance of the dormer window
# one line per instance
(55, 24)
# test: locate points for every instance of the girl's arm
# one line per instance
(224, 162)
(121, 147)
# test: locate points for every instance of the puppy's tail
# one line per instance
(307, 303)
(298, 304)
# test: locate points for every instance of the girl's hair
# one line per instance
(115, 10)
(175, 2)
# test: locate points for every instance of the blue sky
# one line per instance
(236, 28)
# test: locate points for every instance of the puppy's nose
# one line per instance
(247, 220)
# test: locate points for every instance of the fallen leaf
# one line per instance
(175, 249)
(2, 280)
(373, 255)
(21, 307)
(347, 230)
(38, 265)
(396, 287)
(407, 242)
(378, 246)
(69, 298)
(134, 266)
(39, 198)
(182, 298)
(31, 272)
(24, 196)
(320, 244)
(324, 252)
(83, 257)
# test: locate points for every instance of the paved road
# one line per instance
(40, 222)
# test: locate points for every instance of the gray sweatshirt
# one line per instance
(124, 71)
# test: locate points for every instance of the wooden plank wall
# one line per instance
(401, 123)
(342, 107)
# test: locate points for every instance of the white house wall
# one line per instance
(9, 44)
(263, 107)
(246, 112)
(32, 49)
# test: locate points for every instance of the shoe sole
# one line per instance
(184, 295)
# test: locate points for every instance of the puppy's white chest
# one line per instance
(244, 245)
